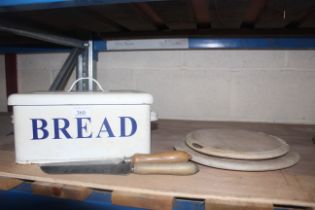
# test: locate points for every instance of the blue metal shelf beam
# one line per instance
(207, 43)
(100, 200)
(97, 200)
(252, 43)
(24, 5)
(185, 44)
(25, 50)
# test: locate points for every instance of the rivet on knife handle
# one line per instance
(163, 157)
(184, 168)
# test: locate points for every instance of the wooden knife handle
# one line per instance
(163, 157)
(184, 168)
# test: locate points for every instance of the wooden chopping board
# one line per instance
(237, 144)
(285, 161)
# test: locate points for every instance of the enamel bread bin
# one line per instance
(80, 126)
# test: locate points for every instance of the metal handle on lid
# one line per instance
(86, 78)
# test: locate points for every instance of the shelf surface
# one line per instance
(291, 186)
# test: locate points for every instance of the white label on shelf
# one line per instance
(147, 44)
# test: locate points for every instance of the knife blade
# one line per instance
(173, 162)
(184, 168)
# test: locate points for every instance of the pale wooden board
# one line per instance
(60, 190)
(8, 183)
(212, 204)
(236, 144)
(156, 202)
(285, 161)
(292, 186)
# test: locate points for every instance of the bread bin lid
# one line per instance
(79, 98)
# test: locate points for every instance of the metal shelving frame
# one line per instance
(83, 55)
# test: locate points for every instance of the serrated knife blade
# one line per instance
(88, 168)
(172, 163)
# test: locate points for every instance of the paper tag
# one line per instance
(147, 44)
(81, 112)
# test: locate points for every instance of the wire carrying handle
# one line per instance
(86, 78)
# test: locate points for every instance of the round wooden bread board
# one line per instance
(237, 144)
(285, 161)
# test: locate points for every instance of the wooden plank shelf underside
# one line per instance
(293, 186)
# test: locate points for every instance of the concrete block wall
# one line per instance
(222, 85)
(37, 71)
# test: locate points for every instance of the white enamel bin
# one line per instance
(80, 126)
